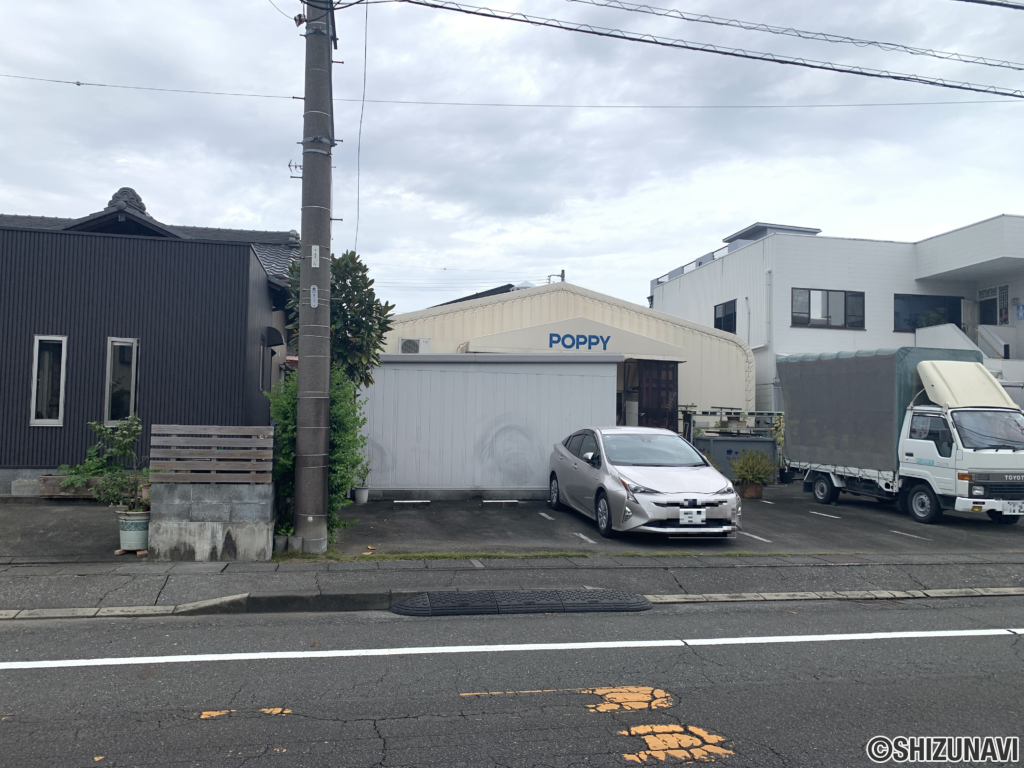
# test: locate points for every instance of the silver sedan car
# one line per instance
(641, 479)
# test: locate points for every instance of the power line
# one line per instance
(279, 10)
(521, 106)
(803, 34)
(359, 142)
(637, 37)
(997, 3)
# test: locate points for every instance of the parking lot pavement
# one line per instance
(785, 521)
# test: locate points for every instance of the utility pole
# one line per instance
(313, 416)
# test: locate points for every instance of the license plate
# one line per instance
(691, 516)
(1013, 507)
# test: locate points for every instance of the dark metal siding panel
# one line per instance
(260, 315)
(186, 302)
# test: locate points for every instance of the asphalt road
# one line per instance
(762, 704)
(786, 520)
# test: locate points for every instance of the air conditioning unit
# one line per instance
(414, 346)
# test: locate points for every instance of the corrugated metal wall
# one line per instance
(185, 301)
(719, 370)
(436, 424)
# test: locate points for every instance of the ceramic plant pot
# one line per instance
(749, 490)
(362, 494)
(134, 529)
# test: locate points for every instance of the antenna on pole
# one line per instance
(561, 275)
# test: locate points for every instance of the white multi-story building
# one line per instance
(788, 290)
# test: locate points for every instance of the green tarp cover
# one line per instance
(847, 408)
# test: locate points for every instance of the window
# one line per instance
(993, 304)
(574, 444)
(912, 312)
(122, 357)
(934, 429)
(828, 309)
(49, 358)
(646, 449)
(589, 445)
(725, 316)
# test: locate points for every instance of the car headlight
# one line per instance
(728, 490)
(978, 490)
(634, 488)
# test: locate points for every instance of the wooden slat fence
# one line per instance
(207, 454)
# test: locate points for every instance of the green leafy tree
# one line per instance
(114, 461)
(345, 452)
(359, 320)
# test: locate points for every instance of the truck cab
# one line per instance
(968, 459)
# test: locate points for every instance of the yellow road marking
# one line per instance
(628, 697)
(677, 741)
(212, 713)
(276, 711)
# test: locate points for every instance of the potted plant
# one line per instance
(118, 478)
(285, 528)
(752, 469)
(361, 492)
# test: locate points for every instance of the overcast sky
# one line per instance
(456, 199)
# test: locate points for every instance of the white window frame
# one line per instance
(59, 421)
(111, 341)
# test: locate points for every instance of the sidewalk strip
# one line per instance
(766, 541)
(521, 648)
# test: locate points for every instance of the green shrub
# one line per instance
(114, 461)
(752, 467)
(345, 453)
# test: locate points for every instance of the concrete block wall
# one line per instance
(8, 476)
(211, 521)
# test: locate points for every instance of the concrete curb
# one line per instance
(347, 602)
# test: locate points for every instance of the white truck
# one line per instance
(930, 429)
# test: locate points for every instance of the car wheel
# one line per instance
(603, 513)
(554, 494)
(923, 505)
(998, 517)
(824, 490)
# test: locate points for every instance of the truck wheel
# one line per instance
(999, 517)
(923, 505)
(825, 492)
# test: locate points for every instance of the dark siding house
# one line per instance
(118, 313)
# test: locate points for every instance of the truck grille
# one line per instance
(1003, 490)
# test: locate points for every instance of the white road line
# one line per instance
(545, 514)
(901, 533)
(768, 502)
(822, 514)
(585, 538)
(521, 648)
(766, 541)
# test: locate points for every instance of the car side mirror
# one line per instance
(588, 457)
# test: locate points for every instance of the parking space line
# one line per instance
(585, 538)
(545, 515)
(901, 533)
(768, 502)
(822, 514)
(766, 541)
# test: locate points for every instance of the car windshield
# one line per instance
(990, 429)
(638, 449)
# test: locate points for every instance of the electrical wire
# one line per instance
(997, 3)
(359, 141)
(524, 106)
(279, 10)
(637, 37)
(803, 34)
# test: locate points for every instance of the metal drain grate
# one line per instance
(521, 601)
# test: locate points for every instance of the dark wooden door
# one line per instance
(659, 394)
